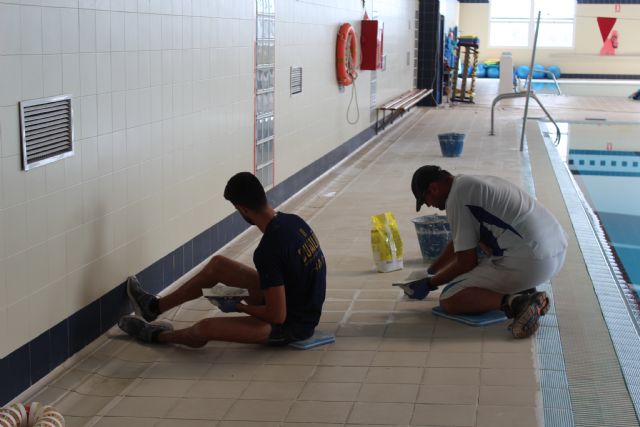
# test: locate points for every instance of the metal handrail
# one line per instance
(553, 76)
(529, 77)
(528, 94)
(522, 95)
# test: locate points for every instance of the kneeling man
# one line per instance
(524, 242)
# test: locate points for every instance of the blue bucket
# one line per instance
(433, 233)
(451, 144)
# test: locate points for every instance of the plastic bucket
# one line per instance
(451, 144)
(433, 233)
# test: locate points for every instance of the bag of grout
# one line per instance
(386, 243)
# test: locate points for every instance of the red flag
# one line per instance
(605, 24)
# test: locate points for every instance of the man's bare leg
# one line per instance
(472, 301)
(219, 269)
(234, 329)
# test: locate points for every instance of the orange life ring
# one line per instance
(346, 62)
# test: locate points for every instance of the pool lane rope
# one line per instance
(34, 414)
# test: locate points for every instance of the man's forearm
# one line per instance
(443, 259)
(452, 270)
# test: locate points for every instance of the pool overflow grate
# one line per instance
(554, 388)
(609, 405)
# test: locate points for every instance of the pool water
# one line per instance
(604, 159)
(580, 87)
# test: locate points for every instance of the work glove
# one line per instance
(419, 289)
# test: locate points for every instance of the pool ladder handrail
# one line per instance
(502, 96)
(553, 76)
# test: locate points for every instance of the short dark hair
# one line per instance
(424, 176)
(244, 189)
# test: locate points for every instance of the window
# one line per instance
(512, 23)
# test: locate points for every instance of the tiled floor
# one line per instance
(393, 363)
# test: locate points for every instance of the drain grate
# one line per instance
(554, 387)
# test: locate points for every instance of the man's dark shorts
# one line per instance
(288, 333)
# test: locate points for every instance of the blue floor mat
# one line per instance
(317, 339)
(484, 319)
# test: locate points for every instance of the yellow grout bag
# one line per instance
(386, 243)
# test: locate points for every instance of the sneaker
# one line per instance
(527, 312)
(141, 330)
(140, 299)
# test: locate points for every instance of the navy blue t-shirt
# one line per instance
(289, 254)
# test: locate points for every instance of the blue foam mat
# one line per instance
(484, 319)
(317, 339)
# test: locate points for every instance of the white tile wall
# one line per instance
(163, 105)
(30, 30)
(4, 343)
(10, 79)
(52, 74)
(9, 27)
(9, 128)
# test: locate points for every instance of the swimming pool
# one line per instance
(604, 160)
(580, 87)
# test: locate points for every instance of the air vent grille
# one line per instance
(47, 130)
(296, 80)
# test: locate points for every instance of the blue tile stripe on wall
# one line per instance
(601, 76)
(31, 362)
(579, 1)
(608, 1)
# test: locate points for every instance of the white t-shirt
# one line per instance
(499, 214)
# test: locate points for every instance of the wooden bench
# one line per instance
(398, 106)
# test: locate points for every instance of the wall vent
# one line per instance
(296, 80)
(46, 130)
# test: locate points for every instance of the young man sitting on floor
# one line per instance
(525, 243)
(286, 288)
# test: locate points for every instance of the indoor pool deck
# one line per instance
(393, 363)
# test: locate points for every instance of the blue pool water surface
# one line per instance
(604, 159)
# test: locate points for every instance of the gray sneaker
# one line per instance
(141, 330)
(527, 317)
(140, 299)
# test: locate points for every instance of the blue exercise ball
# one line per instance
(555, 70)
(481, 71)
(523, 71)
(538, 72)
(493, 72)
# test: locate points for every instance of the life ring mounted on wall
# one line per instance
(346, 55)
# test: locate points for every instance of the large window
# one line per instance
(513, 23)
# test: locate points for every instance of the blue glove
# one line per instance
(227, 304)
(418, 289)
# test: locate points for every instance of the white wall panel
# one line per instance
(163, 107)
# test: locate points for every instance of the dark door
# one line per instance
(430, 43)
